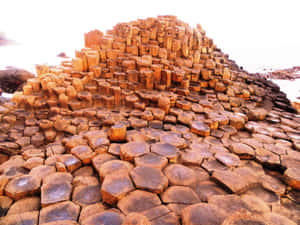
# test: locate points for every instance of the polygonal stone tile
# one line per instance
(273, 184)
(167, 150)
(133, 149)
(85, 180)
(149, 178)
(115, 166)
(60, 211)
(138, 201)
(84, 171)
(63, 222)
(98, 160)
(233, 180)
(22, 186)
(255, 204)
(136, 218)
(3, 182)
(25, 205)
(267, 196)
(86, 194)
(202, 214)
(173, 139)
(292, 177)
(117, 132)
(242, 150)
(212, 165)
(90, 210)
(245, 218)
(180, 175)
(191, 158)
(151, 160)
(28, 218)
(206, 189)
(168, 219)
(115, 187)
(56, 191)
(155, 212)
(107, 217)
(228, 159)
(228, 203)
(84, 153)
(177, 208)
(180, 194)
(200, 128)
(70, 161)
(267, 158)
(58, 177)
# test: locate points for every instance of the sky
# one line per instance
(256, 34)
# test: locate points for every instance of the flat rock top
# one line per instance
(149, 124)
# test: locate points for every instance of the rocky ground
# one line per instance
(283, 74)
(149, 124)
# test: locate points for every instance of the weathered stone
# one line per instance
(151, 160)
(22, 186)
(292, 177)
(245, 218)
(86, 194)
(202, 214)
(200, 128)
(105, 217)
(22, 218)
(138, 201)
(166, 150)
(180, 194)
(180, 175)
(84, 153)
(117, 133)
(173, 139)
(114, 166)
(191, 158)
(70, 161)
(28, 204)
(228, 159)
(242, 150)
(115, 187)
(133, 149)
(205, 189)
(149, 178)
(5, 203)
(90, 210)
(60, 211)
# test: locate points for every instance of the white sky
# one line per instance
(257, 33)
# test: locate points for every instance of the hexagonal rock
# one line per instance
(115, 166)
(117, 132)
(90, 210)
(180, 194)
(84, 153)
(30, 218)
(136, 219)
(3, 182)
(86, 194)
(60, 211)
(292, 177)
(273, 184)
(22, 186)
(85, 180)
(191, 158)
(70, 161)
(173, 139)
(234, 181)
(156, 212)
(166, 150)
(228, 203)
(255, 204)
(208, 188)
(109, 217)
(242, 150)
(200, 128)
(168, 219)
(151, 160)
(115, 187)
(25, 205)
(178, 174)
(149, 178)
(133, 149)
(42, 171)
(257, 114)
(56, 191)
(228, 159)
(138, 201)
(245, 218)
(99, 159)
(202, 214)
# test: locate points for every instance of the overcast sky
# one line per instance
(256, 33)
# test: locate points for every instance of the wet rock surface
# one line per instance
(150, 123)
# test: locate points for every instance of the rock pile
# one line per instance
(150, 124)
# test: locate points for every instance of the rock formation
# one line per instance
(150, 124)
